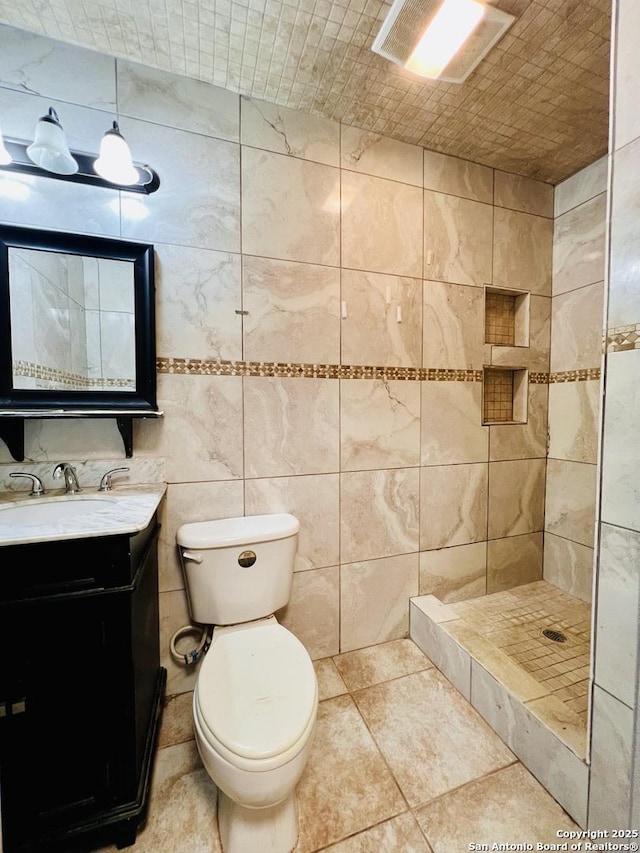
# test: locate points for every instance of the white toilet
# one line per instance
(256, 698)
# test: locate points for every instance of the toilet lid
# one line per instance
(257, 690)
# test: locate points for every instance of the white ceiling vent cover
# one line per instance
(407, 21)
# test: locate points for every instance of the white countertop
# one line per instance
(127, 509)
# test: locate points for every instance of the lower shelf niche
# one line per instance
(504, 395)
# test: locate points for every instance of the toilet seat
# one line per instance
(256, 696)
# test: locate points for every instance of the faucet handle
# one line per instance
(105, 483)
(36, 483)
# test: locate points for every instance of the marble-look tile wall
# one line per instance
(577, 326)
(284, 239)
(615, 751)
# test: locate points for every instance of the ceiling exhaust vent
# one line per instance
(408, 22)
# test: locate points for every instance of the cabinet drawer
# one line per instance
(44, 569)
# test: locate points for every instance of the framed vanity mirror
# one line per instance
(77, 327)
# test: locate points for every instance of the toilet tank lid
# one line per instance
(245, 530)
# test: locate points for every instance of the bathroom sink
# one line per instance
(58, 516)
(53, 510)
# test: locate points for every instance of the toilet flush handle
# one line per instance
(196, 558)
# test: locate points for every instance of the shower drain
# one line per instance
(556, 636)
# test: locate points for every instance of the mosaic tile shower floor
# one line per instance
(514, 621)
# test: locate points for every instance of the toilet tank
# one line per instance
(238, 569)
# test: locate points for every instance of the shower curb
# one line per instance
(556, 766)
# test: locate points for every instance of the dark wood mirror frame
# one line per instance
(18, 404)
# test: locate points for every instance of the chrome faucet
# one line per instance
(71, 485)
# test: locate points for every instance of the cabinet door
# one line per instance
(54, 759)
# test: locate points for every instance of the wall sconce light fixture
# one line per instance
(49, 148)
(49, 156)
(114, 163)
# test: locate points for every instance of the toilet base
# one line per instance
(270, 830)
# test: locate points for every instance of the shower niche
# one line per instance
(506, 324)
(506, 317)
(504, 395)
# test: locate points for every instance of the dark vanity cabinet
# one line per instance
(81, 690)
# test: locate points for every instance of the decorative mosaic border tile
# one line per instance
(292, 370)
(622, 338)
(65, 378)
(221, 367)
(575, 375)
(538, 378)
(438, 374)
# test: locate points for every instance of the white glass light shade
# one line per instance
(114, 163)
(5, 157)
(49, 148)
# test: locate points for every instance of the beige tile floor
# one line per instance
(400, 763)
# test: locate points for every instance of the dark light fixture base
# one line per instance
(148, 182)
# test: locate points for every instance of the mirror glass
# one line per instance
(77, 324)
(72, 321)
